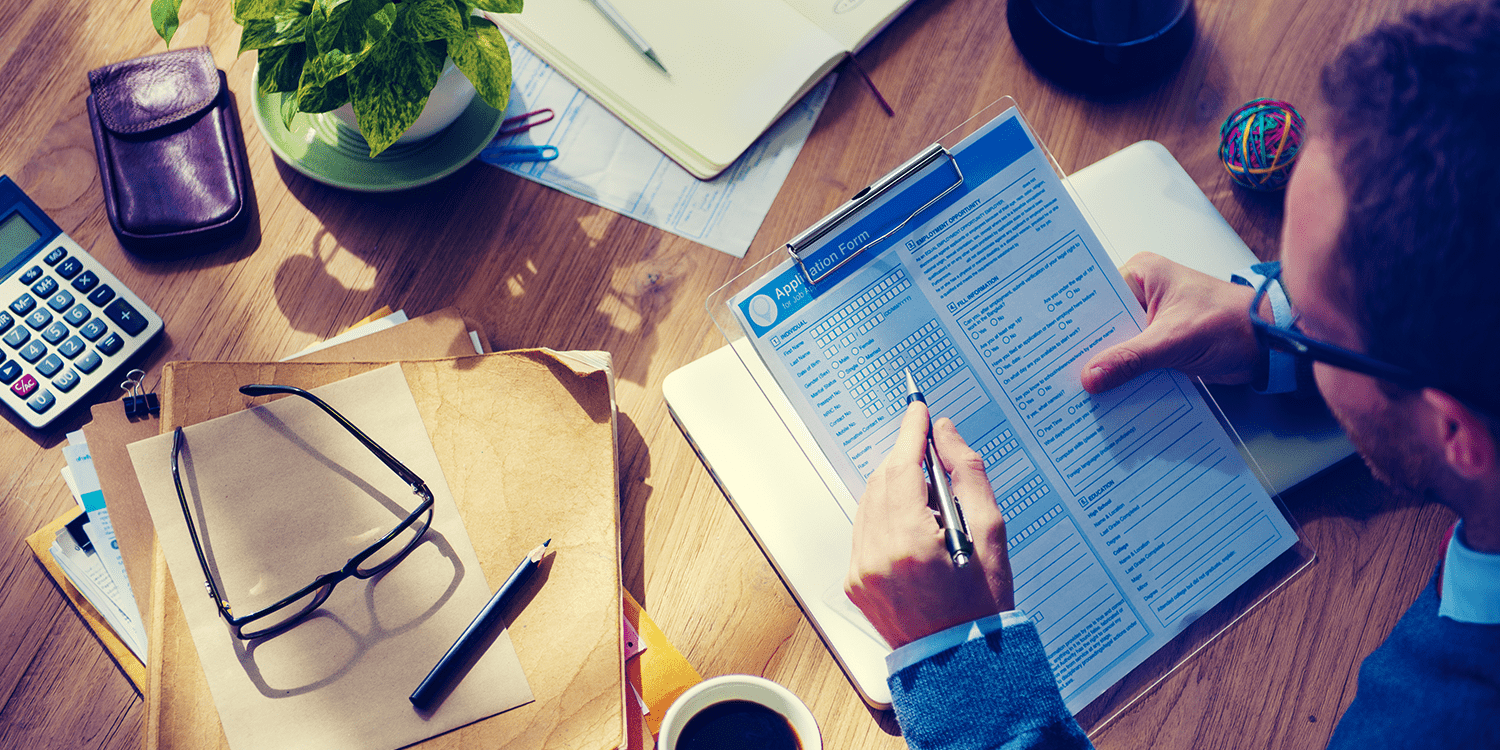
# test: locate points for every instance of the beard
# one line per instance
(1387, 442)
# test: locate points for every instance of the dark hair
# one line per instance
(1414, 108)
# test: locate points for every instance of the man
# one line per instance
(1391, 252)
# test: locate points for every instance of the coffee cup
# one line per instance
(739, 710)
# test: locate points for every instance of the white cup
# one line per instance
(739, 687)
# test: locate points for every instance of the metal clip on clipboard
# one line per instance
(866, 197)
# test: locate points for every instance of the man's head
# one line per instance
(1392, 241)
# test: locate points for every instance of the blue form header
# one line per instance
(982, 156)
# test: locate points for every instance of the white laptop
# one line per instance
(768, 464)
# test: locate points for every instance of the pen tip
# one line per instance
(911, 385)
(549, 541)
(651, 55)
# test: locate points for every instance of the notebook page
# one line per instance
(735, 66)
(852, 22)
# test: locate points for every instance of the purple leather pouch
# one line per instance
(171, 155)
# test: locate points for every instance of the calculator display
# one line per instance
(16, 234)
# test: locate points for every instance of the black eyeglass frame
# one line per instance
(1292, 341)
(328, 581)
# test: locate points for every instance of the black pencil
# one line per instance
(461, 653)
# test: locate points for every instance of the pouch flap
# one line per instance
(148, 92)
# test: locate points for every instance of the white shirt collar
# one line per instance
(1470, 583)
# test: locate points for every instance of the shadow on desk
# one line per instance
(534, 267)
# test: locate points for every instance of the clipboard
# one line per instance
(787, 491)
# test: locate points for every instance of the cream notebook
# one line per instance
(735, 65)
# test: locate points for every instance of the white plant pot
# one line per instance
(449, 98)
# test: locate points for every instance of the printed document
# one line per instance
(1129, 513)
(604, 162)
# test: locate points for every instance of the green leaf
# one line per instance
(499, 6)
(164, 18)
(315, 94)
(276, 32)
(484, 57)
(264, 10)
(346, 33)
(288, 108)
(280, 68)
(390, 88)
(315, 97)
(428, 20)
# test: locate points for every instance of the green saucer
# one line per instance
(322, 147)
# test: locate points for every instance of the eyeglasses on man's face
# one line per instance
(1287, 339)
(377, 558)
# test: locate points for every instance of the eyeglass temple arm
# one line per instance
(410, 477)
(208, 579)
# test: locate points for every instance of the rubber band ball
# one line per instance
(1259, 142)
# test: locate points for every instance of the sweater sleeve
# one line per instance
(995, 692)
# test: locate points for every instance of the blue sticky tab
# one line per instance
(93, 501)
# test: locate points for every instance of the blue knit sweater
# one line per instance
(1434, 683)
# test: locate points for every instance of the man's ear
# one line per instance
(1464, 436)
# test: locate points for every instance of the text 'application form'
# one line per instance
(1128, 513)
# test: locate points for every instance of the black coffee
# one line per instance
(738, 725)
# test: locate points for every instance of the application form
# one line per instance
(1128, 514)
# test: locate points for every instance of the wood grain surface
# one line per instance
(535, 267)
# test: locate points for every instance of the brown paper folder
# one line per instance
(527, 445)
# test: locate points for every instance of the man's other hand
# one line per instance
(1196, 324)
(900, 574)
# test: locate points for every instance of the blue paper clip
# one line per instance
(497, 154)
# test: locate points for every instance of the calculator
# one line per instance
(67, 324)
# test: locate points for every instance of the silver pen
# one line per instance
(950, 516)
(634, 37)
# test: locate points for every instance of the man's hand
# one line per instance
(1196, 324)
(900, 574)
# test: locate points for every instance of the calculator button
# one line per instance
(71, 347)
(23, 304)
(102, 295)
(61, 301)
(91, 330)
(9, 372)
(17, 337)
(75, 316)
(111, 343)
(24, 386)
(66, 381)
(42, 401)
(87, 363)
(56, 255)
(45, 287)
(31, 275)
(6, 321)
(49, 366)
(126, 317)
(39, 319)
(32, 351)
(69, 268)
(86, 281)
(55, 332)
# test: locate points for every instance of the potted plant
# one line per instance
(381, 56)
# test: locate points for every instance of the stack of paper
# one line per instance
(92, 562)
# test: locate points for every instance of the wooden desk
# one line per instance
(535, 267)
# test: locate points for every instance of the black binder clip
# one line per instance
(818, 271)
(139, 405)
(79, 536)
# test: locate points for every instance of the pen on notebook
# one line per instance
(631, 35)
(461, 653)
(950, 517)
